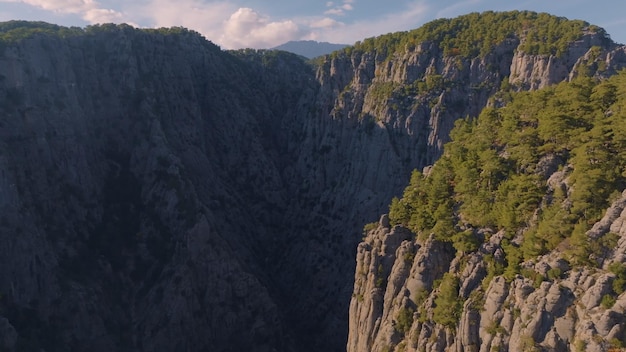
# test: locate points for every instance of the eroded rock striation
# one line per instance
(565, 309)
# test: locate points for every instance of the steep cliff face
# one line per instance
(417, 94)
(394, 299)
(375, 120)
(424, 291)
(129, 162)
(159, 194)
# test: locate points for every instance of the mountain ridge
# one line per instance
(530, 258)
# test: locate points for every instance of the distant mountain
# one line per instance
(310, 48)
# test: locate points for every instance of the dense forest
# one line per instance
(476, 34)
(494, 175)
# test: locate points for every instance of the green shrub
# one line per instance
(495, 329)
(494, 268)
(381, 279)
(420, 297)
(615, 343)
(607, 301)
(477, 299)
(465, 242)
(580, 346)
(404, 320)
(449, 306)
(554, 273)
(528, 344)
(369, 227)
(619, 283)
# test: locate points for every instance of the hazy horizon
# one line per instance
(235, 24)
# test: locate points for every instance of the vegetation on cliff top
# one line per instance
(494, 173)
(15, 31)
(476, 34)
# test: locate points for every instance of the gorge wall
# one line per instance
(157, 193)
(396, 289)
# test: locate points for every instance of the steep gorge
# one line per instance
(158, 193)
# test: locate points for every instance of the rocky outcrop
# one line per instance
(385, 91)
(538, 71)
(389, 277)
(552, 308)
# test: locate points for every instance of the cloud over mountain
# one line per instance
(89, 10)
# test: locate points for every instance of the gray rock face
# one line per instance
(8, 335)
(119, 226)
(392, 270)
(566, 313)
(157, 193)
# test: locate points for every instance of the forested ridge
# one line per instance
(477, 34)
(494, 175)
(513, 239)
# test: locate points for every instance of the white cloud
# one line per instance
(219, 21)
(339, 10)
(335, 12)
(102, 16)
(247, 28)
(206, 18)
(225, 24)
(231, 26)
(409, 18)
(89, 10)
(325, 23)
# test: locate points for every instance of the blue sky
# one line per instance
(235, 24)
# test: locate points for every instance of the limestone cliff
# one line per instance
(157, 193)
(118, 165)
(423, 291)
(565, 310)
